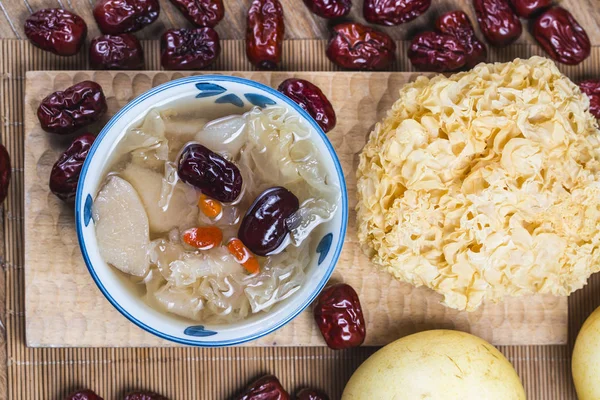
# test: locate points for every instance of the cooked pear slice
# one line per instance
(122, 227)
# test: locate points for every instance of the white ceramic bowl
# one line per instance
(211, 91)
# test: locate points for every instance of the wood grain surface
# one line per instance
(300, 23)
(58, 287)
(193, 373)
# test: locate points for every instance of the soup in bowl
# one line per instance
(211, 210)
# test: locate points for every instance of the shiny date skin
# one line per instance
(201, 12)
(311, 99)
(329, 9)
(84, 395)
(123, 16)
(189, 48)
(5, 172)
(56, 30)
(393, 12)
(265, 388)
(591, 88)
(264, 34)
(263, 228)
(359, 47)
(561, 36)
(339, 316)
(311, 394)
(144, 395)
(437, 52)
(457, 24)
(65, 172)
(210, 173)
(64, 112)
(122, 51)
(498, 22)
(529, 8)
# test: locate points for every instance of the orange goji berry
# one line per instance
(210, 207)
(243, 255)
(204, 237)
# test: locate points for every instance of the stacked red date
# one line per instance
(63, 33)
(452, 45)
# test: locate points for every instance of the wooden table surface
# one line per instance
(300, 23)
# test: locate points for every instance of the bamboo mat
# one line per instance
(192, 373)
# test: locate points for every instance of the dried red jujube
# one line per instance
(498, 22)
(65, 172)
(591, 88)
(56, 30)
(267, 387)
(437, 52)
(329, 9)
(528, 8)
(311, 99)
(64, 112)
(201, 12)
(123, 16)
(457, 24)
(5, 172)
(84, 395)
(355, 46)
(144, 395)
(189, 48)
(210, 173)
(393, 12)
(561, 36)
(264, 226)
(122, 51)
(264, 33)
(311, 394)
(339, 316)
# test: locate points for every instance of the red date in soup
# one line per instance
(264, 227)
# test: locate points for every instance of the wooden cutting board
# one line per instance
(64, 307)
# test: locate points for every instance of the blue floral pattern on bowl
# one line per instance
(198, 331)
(221, 90)
(323, 247)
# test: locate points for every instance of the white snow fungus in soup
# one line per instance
(211, 219)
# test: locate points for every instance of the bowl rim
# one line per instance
(197, 79)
